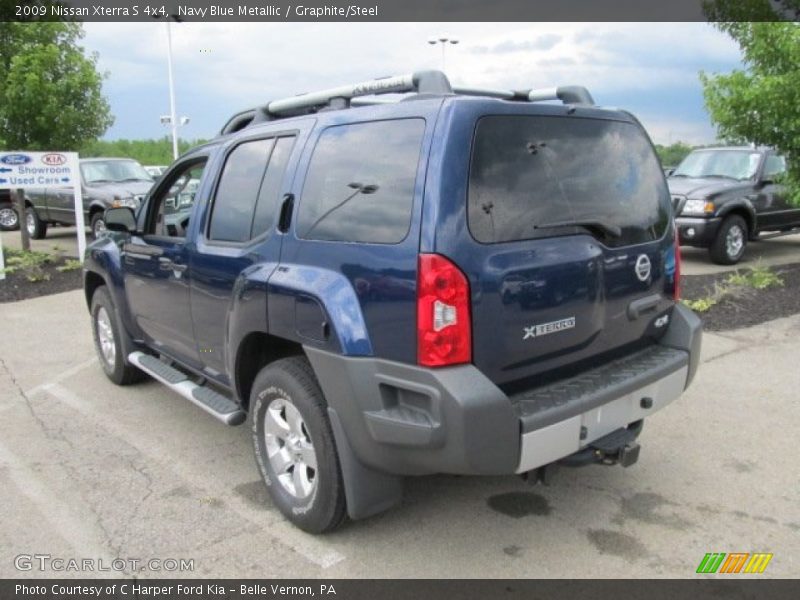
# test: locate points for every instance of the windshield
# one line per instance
(728, 164)
(114, 171)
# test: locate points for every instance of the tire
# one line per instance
(106, 333)
(9, 219)
(37, 229)
(98, 224)
(291, 431)
(731, 239)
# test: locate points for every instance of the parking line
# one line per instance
(308, 547)
(62, 376)
(75, 531)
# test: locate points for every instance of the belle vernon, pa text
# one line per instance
(207, 590)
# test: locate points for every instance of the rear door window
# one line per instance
(528, 172)
(235, 200)
(360, 183)
(267, 205)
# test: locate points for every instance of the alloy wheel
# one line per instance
(289, 448)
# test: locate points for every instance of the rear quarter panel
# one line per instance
(366, 290)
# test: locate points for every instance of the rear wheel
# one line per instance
(729, 244)
(9, 220)
(37, 229)
(294, 445)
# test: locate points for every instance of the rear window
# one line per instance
(360, 184)
(529, 172)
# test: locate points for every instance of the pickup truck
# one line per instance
(105, 183)
(725, 197)
(473, 282)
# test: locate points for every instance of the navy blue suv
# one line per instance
(447, 280)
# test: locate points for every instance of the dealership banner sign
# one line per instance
(22, 170)
(32, 170)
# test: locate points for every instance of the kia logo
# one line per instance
(54, 160)
(642, 267)
(15, 159)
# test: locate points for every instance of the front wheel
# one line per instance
(729, 244)
(98, 225)
(294, 445)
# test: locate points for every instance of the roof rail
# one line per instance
(421, 82)
(568, 94)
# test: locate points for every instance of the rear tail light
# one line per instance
(444, 331)
(677, 290)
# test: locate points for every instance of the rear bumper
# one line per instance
(408, 420)
(696, 231)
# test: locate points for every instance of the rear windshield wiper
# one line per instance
(591, 224)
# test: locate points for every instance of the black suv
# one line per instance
(726, 196)
(463, 281)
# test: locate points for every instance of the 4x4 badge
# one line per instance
(546, 328)
(643, 267)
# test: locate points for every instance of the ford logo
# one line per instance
(642, 267)
(54, 160)
(15, 159)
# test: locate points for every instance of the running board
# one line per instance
(768, 236)
(213, 403)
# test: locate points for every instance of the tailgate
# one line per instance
(573, 252)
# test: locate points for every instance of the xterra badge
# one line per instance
(545, 328)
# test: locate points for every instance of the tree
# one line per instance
(50, 89)
(759, 104)
(147, 152)
(673, 154)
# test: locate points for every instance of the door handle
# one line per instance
(642, 306)
(285, 218)
(166, 264)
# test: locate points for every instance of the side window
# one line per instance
(173, 208)
(774, 167)
(267, 204)
(237, 192)
(360, 183)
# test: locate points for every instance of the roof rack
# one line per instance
(420, 82)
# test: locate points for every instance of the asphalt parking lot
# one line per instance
(90, 470)
(777, 251)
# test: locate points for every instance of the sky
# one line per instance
(650, 69)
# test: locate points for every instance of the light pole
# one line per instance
(443, 40)
(172, 119)
(168, 121)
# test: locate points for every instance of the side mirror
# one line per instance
(120, 219)
(668, 172)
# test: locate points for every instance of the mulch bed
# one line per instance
(746, 306)
(15, 287)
